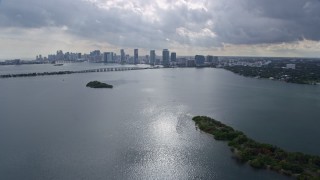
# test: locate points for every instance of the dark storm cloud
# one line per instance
(269, 21)
(114, 25)
(38, 13)
(232, 21)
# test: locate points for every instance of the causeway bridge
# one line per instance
(105, 69)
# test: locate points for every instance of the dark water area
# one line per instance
(53, 127)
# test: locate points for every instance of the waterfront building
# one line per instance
(190, 63)
(165, 58)
(152, 57)
(105, 57)
(59, 55)
(122, 56)
(181, 62)
(136, 57)
(212, 59)
(199, 60)
(95, 56)
(209, 59)
(108, 57)
(173, 57)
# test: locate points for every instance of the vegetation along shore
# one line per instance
(260, 155)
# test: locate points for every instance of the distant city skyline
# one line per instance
(287, 28)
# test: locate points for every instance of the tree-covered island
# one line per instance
(97, 84)
(260, 155)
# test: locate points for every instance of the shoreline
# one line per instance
(283, 75)
(261, 155)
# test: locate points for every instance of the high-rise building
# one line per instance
(209, 59)
(94, 53)
(173, 57)
(39, 58)
(105, 57)
(95, 56)
(122, 56)
(112, 57)
(212, 59)
(136, 57)
(78, 56)
(199, 60)
(165, 58)
(108, 57)
(152, 57)
(60, 55)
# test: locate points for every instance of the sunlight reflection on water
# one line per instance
(162, 133)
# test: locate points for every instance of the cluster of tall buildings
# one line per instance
(166, 58)
(60, 56)
(95, 56)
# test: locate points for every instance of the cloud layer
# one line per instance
(182, 25)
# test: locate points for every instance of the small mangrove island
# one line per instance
(260, 155)
(97, 84)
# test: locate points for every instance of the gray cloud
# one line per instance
(147, 24)
(254, 22)
(114, 25)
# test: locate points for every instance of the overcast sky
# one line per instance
(189, 27)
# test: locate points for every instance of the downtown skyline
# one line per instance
(233, 28)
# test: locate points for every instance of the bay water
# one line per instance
(53, 127)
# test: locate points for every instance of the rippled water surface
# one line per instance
(53, 127)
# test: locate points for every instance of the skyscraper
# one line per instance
(105, 57)
(173, 57)
(95, 56)
(165, 58)
(152, 57)
(108, 57)
(122, 56)
(136, 57)
(60, 55)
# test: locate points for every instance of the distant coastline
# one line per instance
(298, 71)
(306, 75)
(260, 155)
